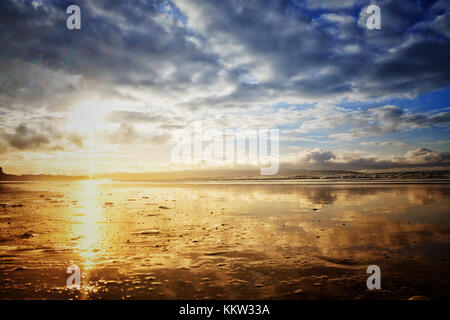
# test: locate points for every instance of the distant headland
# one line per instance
(37, 177)
(236, 174)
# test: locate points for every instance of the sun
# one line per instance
(88, 116)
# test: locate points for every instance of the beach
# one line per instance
(224, 239)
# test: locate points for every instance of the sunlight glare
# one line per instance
(88, 230)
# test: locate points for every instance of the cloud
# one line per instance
(426, 156)
(127, 134)
(331, 4)
(375, 121)
(440, 142)
(323, 159)
(25, 138)
(299, 49)
(27, 86)
(345, 123)
(309, 156)
(231, 53)
(309, 68)
(160, 139)
(420, 157)
(441, 24)
(120, 44)
(134, 117)
(41, 137)
(319, 156)
(384, 143)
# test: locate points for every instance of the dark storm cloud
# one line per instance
(25, 86)
(24, 138)
(260, 51)
(119, 43)
(290, 44)
(40, 137)
(329, 4)
(329, 55)
(414, 53)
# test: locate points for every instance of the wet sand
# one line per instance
(239, 240)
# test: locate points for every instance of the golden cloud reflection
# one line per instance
(162, 240)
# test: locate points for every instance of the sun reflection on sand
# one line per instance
(87, 231)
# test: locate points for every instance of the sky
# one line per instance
(112, 96)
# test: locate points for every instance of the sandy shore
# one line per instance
(223, 241)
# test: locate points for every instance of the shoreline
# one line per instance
(326, 182)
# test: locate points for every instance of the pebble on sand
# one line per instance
(146, 232)
(28, 234)
(419, 298)
(20, 268)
